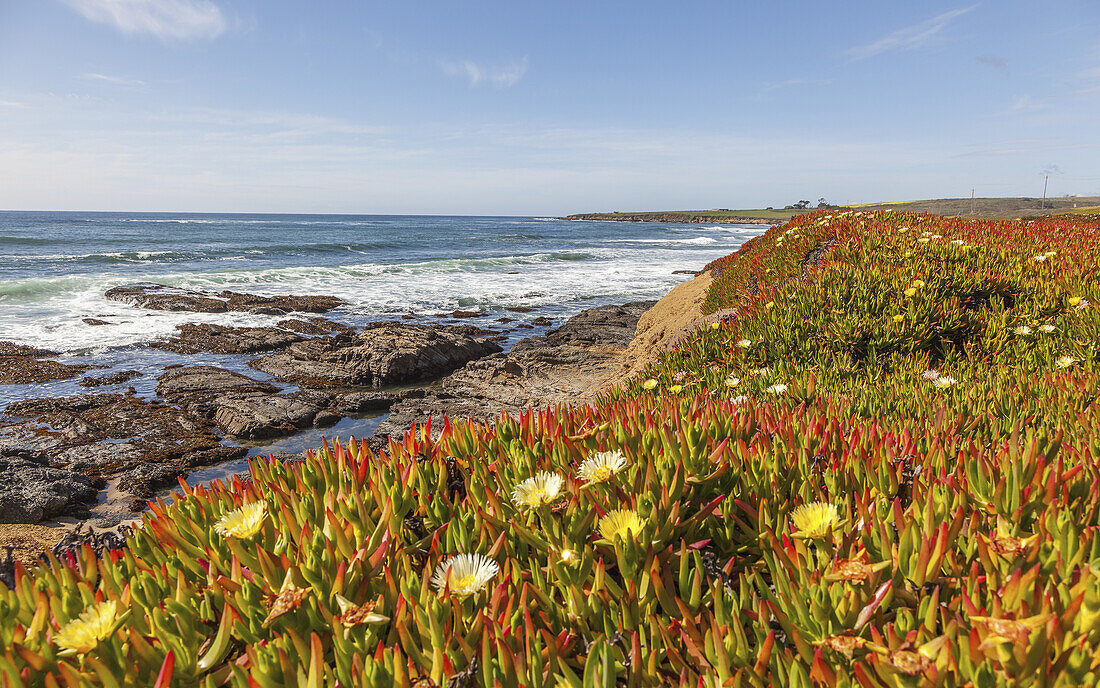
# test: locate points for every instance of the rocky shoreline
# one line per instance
(679, 217)
(57, 454)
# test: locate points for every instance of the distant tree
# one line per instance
(822, 203)
(802, 205)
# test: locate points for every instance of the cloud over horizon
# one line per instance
(165, 19)
(909, 38)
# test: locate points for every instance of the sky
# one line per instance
(541, 108)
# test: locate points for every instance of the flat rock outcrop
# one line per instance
(21, 364)
(384, 353)
(30, 490)
(102, 435)
(164, 298)
(219, 339)
(569, 364)
(314, 326)
(121, 377)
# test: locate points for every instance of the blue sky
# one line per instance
(540, 108)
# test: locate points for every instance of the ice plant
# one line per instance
(1022, 330)
(244, 522)
(746, 343)
(620, 523)
(649, 384)
(541, 489)
(944, 382)
(815, 520)
(732, 381)
(776, 389)
(94, 624)
(601, 466)
(1048, 328)
(464, 574)
(1065, 361)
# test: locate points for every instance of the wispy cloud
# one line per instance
(165, 19)
(992, 61)
(1027, 104)
(909, 38)
(121, 81)
(478, 74)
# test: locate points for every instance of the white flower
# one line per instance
(944, 382)
(744, 343)
(543, 488)
(739, 399)
(1039, 258)
(600, 466)
(937, 236)
(930, 374)
(732, 381)
(1083, 304)
(958, 242)
(776, 389)
(927, 234)
(1022, 330)
(1065, 361)
(464, 574)
(761, 372)
(1047, 328)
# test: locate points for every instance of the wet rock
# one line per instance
(102, 435)
(519, 309)
(325, 419)
(31, 491)
(95, 321)
(195, 388)
(262, 417)
(684, 272)
(465, 314)
(21, 364)
(164, 298)
(219, 339)
(566, 364)
(542, 322)
(384, 353)
(365, 402)
(266, 310)
(314, 326)
(118, 378)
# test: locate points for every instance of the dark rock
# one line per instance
(164, 298)
(262, 417)
(113, 379)
(195, 388)
(103, 435)
(13, 349)
(20, 365)
(314, 326)
(219, 339)
(144, 479)
(563, 365)
(505, 320)
(542, 322)
(95, 321)
(326, 418)
(519, 309)
(364, 402)
(266, 310)
(383, 353)
(31, 491)
(466, 314)
(684, 272)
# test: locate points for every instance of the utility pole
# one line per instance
(1045, 179)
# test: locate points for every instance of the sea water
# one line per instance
(56, 266)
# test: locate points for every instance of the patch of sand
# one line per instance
(31, 539)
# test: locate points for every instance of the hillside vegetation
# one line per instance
(881, 467)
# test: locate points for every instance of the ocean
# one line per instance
(56, 266)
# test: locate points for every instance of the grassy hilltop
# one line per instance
(879, 467)
(972, 208)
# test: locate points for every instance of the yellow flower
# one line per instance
(243, 522)
(715, 326)
(1074, 300)
(464, 574)
(918, 283)
(769, 304)
(899, 317)
(94, 624)
(543, 488)
(620, 523)
(676, 389)
(599, 467)
(732, 381)
(910, 291)
(924, 240)
(815, 520)
(649, 384)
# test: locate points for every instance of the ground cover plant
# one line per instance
(880, 467)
